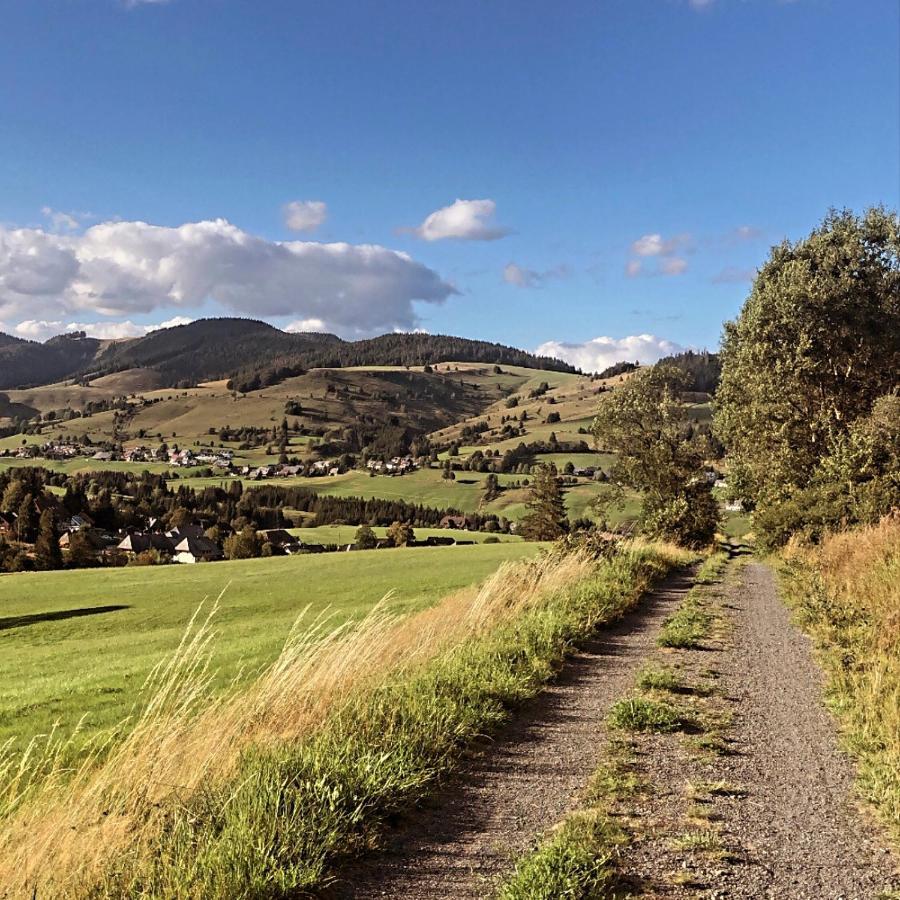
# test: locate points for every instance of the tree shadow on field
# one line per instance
(23, 621)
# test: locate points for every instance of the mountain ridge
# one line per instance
(247, 350)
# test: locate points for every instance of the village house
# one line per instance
(282, 541)
(99, 541)
(196, 548)
(141, 541)
(77, 522)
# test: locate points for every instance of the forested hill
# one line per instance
(244, 349)
(26, 363)
(702, 370)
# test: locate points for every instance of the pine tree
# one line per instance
(25, 519)
(546, 517)
(47, 554)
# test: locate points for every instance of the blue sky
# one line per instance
(623, 165)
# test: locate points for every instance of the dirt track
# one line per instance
(524, 782)
(792, 832)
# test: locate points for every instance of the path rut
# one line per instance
(504, 798)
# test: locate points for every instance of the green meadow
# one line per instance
(80, 643)
(346, 534)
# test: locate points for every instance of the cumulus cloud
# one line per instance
(664, 250)
(463, 220)
(601, 352)
(657, 245)
(530, 278)
(305, 215)
(305, 325)
(122, 269)
(41, 329)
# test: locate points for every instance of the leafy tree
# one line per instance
(646, 423)
(47, 554)
(365, 538)
(814, 347)
(245, 544)
(491, 488)
(401, 534)
(80, 554)
(546, 517)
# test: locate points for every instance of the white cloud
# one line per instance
(121, 269)
(305, 325)
(657, 245)
(41, 329)
(170, 323)
(530, 278)
(654, 245)
(601, 352)
(305, 215)
(38, 329)
(463, 220)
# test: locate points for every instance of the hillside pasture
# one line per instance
(346, 534)
(80, 643)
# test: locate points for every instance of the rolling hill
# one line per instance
(25, 363)
(252, 353)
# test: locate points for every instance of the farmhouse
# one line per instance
(281, 540)
(97, 540)
(77, 522)
(140, 541)
(196, 548)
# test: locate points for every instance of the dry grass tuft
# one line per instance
(847, 594)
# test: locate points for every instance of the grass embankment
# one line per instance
(846, 594)
(258, 793)
(78, 645)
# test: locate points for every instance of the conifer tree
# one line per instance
(546, 517)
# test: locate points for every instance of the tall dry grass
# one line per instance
(846, 592)
(143, 812)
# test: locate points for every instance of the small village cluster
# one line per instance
(191, 542)
(218, 458)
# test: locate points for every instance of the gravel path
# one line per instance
(804, 835)
(778, 797)
(523, 783)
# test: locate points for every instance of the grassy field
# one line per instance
(81, 643)
(265, 791)
(345, 534)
